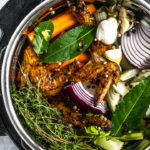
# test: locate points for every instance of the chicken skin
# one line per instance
(52, 84)
(81, 13)
(105, 74)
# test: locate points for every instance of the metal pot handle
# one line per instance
(143, 4)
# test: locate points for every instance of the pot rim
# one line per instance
(5, 71)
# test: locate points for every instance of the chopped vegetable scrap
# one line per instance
(84, 79)
(136, 46)
(84, 99)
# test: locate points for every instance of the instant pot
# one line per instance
(12, 26)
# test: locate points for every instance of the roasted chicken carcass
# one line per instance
(82, 14)
(77, 119)
(51, 85)
(100, 48)
(105, 74)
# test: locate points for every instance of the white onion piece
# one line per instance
(83, 99)
(136, 46)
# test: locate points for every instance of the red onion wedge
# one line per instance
(136, 46)
(83, 99)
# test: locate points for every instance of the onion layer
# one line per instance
(83, 99)
(136, 46)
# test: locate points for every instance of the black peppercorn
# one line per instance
(128, 33)
(125, 124)
(125, 131)
(117, 106)
(133, 31)
(88, 86)
(93, 87)
(106, 129)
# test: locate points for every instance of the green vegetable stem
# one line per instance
(109, 143)
(132, 137)
(142, 145)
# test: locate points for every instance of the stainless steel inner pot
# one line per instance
(8, 61)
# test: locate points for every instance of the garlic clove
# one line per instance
(107, 31)
(99, 33)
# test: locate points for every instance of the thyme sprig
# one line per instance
(44, 122)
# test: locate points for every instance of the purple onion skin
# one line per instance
(82, 104)
(136, 47)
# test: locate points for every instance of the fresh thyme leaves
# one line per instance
(71, 44)
(42, 36)
(132, 108)
(44, 121)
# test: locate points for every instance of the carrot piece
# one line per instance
(31, 36)
(90, 1)
(19, 76)
(63, 22)
(82, 58)
(53, 66)
(25, 31)
(91, 8)
(65, 63)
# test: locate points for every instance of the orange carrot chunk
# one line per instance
(82, 58)
(90, 1)
(62, 22)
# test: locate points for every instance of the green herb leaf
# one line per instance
(93, 130)
(70, 45)
(42, 36)
(132, 108)
(44, 123)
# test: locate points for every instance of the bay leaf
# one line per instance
(71, 44)
(132, 108)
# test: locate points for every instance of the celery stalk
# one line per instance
(142, 145)
(132, 136)
(109, 143)
(129, 74)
